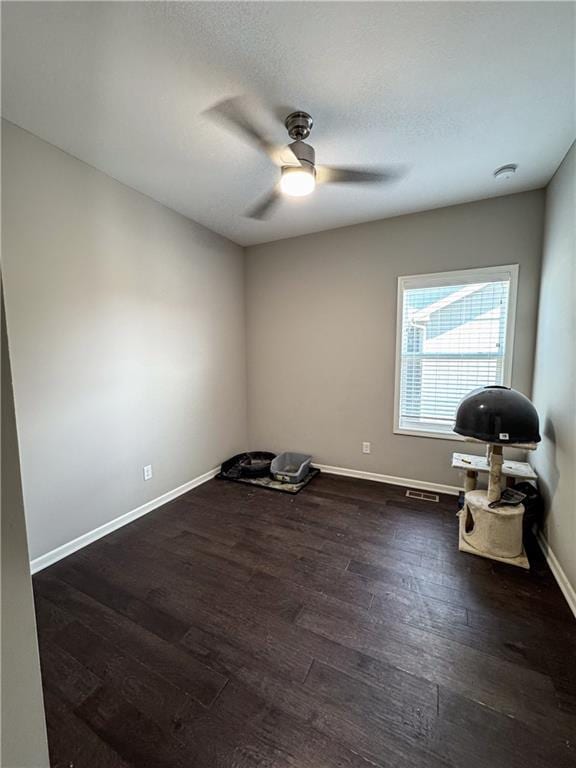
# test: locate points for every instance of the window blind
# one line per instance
(453, 340)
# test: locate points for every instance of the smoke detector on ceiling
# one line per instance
(505, 172)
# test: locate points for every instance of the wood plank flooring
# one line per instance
(340, 628)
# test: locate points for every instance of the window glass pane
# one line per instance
(453, 340)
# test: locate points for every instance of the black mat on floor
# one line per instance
(271, 484)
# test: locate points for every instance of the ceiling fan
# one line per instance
(299, 173)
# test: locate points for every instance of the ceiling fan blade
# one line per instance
(328, 174)
(265, 206)
(239, 114)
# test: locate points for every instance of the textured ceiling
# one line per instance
(449, 90)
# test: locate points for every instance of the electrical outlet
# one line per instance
(366, 447)
(147, 471)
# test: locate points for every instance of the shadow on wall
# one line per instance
(548, 488)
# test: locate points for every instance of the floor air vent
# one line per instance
(422, 495)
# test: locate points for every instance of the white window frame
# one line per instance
(458, 277)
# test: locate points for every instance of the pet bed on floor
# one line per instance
(247, 465)
(271, 484)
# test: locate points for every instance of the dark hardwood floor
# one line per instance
(340, 628)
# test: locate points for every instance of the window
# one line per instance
(454, 334)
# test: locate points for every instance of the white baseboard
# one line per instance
(558, 572)
(39, 563)
(421, 485)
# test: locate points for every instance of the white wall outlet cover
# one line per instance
(366, 447)
(147, 471)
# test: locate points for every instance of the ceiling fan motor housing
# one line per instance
(304, 152)
(299, 125)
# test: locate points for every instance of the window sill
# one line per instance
(452, 436)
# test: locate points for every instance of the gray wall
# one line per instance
(127, 332)
(321, 320)
(555, 366)
(24, 742)
(127, 328)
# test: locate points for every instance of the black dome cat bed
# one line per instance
(497, 414)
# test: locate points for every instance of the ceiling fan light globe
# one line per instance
(297, 182)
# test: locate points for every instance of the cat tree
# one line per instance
(497, 416)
